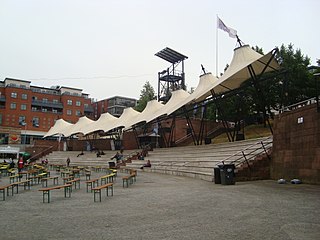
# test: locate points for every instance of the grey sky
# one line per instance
(107, 47)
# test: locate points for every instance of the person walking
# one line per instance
(68, 162)
(20, 164)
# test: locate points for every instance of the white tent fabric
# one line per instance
(171, 106)
(102, 124)
(207, 81)
(58, 128)
(152, 107)
(238, 72)
(235, 75)
(77, 127)
(126, 117)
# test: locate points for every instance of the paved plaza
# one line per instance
(166, 207)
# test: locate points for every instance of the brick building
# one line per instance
(114, 105)
(27, 112)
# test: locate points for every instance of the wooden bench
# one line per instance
(14, 178)
(46, 191)
(92, 183)
(115, 171)
(67, 179)
(97, 190)
(65, 173)
(26, 183)
(45, 181)
(4, 188)
(34, 179)
(74, 182)
(11, 186)
(107, 178)
(129, 179)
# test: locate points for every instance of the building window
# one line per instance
(55, 101)
(69, 112)
(33, 109)
(35, 122)
(69, 102)
(14, 95)
(4, 138)
(54, 111)
(45, 100)
(24, 96)
(78, 113)
(13, 105)
(78, 103)
(44, 110)
(86, 105)
(23, 107)
(0, 119)
(22, 120)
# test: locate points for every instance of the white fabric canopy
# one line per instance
(234, 76)
(171, 106)
(58, 128)
(148, 112)
(238, 71)
(126, 117)
(207, 81)
(77, 127)
(102, 124)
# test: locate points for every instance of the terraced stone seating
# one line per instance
(195, 161)
(58, 158)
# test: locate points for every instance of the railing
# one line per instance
(51, 104)
(180, 140)
(41, 154)
(249, 153)
(299, 104)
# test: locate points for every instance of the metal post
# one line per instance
(25, 136)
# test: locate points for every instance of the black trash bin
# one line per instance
(217, 177)
(227, 174)
(112, 164)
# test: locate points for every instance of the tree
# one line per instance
(297, 80)
(147, 94)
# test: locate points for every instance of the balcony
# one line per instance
(88, 109)
(49, 104)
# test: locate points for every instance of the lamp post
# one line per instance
(25, 135)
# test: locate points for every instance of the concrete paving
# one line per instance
(166, 207)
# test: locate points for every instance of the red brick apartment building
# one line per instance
(27, 112)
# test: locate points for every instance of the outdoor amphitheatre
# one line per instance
(215, 180)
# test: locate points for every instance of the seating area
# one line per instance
(71, 177)
(198, 161)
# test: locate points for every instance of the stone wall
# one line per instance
(296, 145)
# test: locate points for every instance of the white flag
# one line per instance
(232, 32)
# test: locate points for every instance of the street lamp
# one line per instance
(25, 135)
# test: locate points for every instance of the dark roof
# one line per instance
(171, 55)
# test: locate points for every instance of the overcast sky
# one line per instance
(107, 47)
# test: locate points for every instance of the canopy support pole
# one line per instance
(190, 126)
(261, 103)
(224, 121)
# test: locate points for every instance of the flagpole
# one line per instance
(217, 46)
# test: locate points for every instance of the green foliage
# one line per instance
(299, 84)
(147, 94)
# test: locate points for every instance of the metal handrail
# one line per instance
(183, 138)
(265, 146)
(41, 154)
